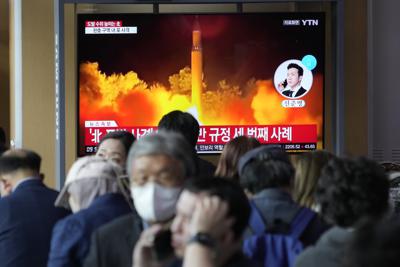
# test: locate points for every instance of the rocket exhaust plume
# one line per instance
(197, 67)
(119, 96)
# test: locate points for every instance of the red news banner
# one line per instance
(108, 23)
(212, 138)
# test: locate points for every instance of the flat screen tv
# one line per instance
(255, 74)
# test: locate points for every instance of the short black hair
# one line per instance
(20, 159)
(296, 66)
(375, 244)
(269, 168)
(229, 191)
(2, 137)
(126, 138)
(352, 189)
(181, 122)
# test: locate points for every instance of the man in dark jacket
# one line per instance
(157, 166)
(293, 81)
(27, 213)
(187, 125)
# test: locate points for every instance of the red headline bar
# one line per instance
(102, 23)
(213, 135)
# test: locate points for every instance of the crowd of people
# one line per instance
(153, 202)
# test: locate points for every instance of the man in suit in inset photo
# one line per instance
(292, 85)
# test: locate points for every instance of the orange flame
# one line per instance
(130, 101)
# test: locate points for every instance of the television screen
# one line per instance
(254, 74)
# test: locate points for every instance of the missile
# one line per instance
(197, 67)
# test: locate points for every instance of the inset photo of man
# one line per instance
(292, 79)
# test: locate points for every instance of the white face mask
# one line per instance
(155, 203)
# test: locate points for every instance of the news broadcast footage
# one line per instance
(260, 75)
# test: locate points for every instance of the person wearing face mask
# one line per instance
(27, 213)
(157, 166)
(93, 194)
(212, 215)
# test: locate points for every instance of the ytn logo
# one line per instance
(309, 22)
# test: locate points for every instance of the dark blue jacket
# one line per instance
(112, 244)
(27, 217)
(71, 236)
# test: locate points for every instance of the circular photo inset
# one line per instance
(292, 79)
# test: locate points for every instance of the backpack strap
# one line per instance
(256, 222)
(301, 221)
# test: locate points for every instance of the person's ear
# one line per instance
(7, 187)
(300, 78)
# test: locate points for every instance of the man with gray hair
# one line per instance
(157, 165)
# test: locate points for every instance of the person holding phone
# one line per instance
(211, 217)
(291, 87)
